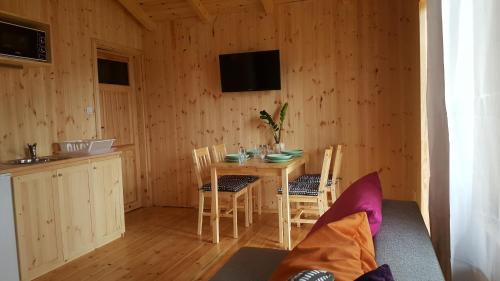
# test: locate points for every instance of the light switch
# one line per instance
(89, 110)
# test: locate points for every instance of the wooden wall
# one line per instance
(350, 71)
(47, 104)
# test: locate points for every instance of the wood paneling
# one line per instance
(135, 9)
(162, 10)
(350, 72)
(47, 104)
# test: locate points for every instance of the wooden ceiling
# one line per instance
(147, 12)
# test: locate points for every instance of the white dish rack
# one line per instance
(86, 146)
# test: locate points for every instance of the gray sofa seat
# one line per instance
(402, 242)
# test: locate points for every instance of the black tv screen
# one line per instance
(255, 71)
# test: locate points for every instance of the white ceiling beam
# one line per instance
(138, 13)
(200, 10)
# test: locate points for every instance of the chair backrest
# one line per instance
(337, 165)
(219, 151)
(202, 161)
(327, 159)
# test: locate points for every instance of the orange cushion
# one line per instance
(344, 247)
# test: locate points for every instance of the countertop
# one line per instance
(24, 168)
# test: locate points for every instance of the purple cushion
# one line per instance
(383, 273)
(364, 195)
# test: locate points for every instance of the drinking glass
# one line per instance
(262, 151)
(242, 155)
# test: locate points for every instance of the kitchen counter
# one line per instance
(72, 159)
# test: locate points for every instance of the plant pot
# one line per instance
(279, 147)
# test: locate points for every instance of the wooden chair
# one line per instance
(310, 193)
(255, 183)
(334, 187)
(231, 189)
(333, 184)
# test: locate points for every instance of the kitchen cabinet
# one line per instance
(64, 211)
(38, 225)
(131, 191)
(74, 191)
(108, 200)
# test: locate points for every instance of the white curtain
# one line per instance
(471, 44)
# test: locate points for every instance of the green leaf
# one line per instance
(283, 111)
(266, 117)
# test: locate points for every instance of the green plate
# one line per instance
(278, 157)
(294, 152)
(252, 151)
(277, 160)
(232, 156)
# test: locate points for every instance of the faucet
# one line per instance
(32, 150)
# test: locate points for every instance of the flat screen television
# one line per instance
(254, 71)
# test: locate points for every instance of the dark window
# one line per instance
(112, 72)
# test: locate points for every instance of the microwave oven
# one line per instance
(22, 42)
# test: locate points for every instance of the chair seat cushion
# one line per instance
(227, 185)
(302, 188)
(249, 179)
(313, 178)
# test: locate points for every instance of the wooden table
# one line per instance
(256, 167)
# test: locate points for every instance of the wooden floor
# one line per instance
(161, 244)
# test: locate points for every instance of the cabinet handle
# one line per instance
(59, 175)
(54, 176)
(95, 168)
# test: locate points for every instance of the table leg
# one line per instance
(286, 211)
(214, 213)
(250, 204)
(303, 169)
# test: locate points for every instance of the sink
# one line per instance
(38, 160)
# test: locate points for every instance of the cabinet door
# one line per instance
(76, 210)
(130, 178)
(37, 223)
(108, 200)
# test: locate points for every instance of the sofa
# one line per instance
(402, 242)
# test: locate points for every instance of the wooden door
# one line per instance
(118, 120)
(107, 189)
(37, 223)
(76, 210)
(116, 114)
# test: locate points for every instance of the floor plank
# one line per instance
(161, 244)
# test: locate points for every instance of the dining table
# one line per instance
(261, 168)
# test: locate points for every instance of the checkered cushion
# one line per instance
(313, 178)
(249, 179)
(302, 188)
(227, 185)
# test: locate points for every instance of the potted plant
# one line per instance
(276, 127)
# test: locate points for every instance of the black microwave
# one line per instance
(22, 42)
